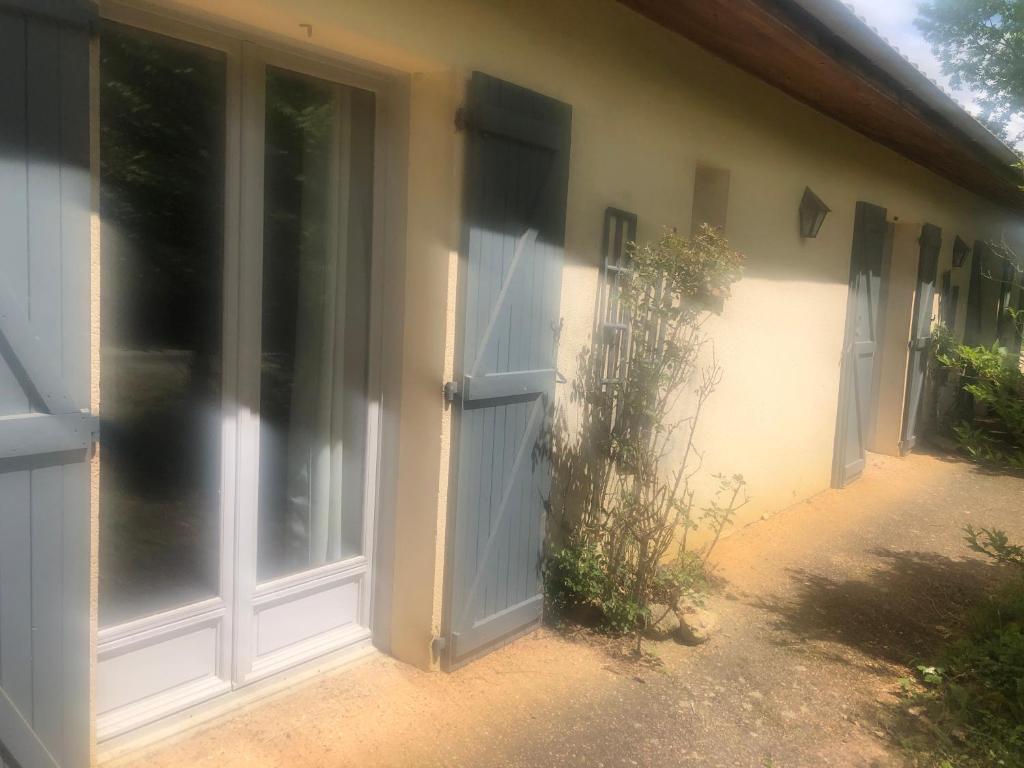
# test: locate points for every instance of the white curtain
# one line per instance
(315, 444)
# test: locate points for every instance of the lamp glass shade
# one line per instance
(812, 214)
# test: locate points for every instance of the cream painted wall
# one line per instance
(648, 106)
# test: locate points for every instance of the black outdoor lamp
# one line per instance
(812, 214)
(960, 251)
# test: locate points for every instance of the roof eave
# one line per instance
(821, 53)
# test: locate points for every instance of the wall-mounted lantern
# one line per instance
(960, 252)
(812, 214)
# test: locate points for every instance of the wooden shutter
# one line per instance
(1006, 328)
(856, 396)
(516, 184)
(44, 382)
(920, 333)
(977, 331)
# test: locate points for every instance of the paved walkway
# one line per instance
(823, 607)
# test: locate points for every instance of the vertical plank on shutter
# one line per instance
(44, 218)
(15, 529)
(13, 186)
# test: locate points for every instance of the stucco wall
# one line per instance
(648, 107)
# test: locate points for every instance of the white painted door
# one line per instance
(238, 374)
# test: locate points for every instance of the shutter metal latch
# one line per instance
(451, 390)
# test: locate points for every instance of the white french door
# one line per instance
(239, 395)
(307, 223)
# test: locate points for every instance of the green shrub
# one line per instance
(574, 577)
(994, 544)
(975, 693)
(973, 706)
(991, 428)
(625, 496)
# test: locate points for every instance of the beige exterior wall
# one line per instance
(648, 108)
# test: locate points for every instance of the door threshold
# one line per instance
(127, 749)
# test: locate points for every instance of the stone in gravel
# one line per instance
(664, 622)
(696, 623)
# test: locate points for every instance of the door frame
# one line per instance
(920, 333)
(240, 436)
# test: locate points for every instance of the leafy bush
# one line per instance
(975, 694)
(973, 703)
(574, 576)
(990, 426)
(625, 495)
(994, 544)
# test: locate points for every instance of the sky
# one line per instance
(894, 20)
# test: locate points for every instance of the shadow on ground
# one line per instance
(946, 450)
(899, 613)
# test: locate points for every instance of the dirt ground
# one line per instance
(823, 606)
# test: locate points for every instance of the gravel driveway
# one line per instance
(823, 607)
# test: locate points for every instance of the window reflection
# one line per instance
(317, 219)
(162, 133)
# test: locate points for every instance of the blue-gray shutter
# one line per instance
(517, 144)
(980, 302)
(856, 379)
(920, 333)
(44, 382)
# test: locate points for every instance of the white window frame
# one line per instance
(231, 612)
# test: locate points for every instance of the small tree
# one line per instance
(625, 476)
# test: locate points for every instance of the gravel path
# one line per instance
(823, 607)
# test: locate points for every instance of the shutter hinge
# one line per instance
(438, 645)
(451, 390)
(460, 119)
(93, 423)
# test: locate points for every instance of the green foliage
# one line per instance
(995, 544)
(971, 713)
(992, 429)
(974, 699)
(981, 47)
(574, 576)
(625, 477)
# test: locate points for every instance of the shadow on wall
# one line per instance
(901, 611)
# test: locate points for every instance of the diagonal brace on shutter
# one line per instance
(20, 740)
(63, 426)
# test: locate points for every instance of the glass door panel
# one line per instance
(162, 203)
(317, 221)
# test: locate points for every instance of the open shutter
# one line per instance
(44, 382)
(920, 333)
(983, 297)
(859, 347)
(516, 184)
(1006, 332)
